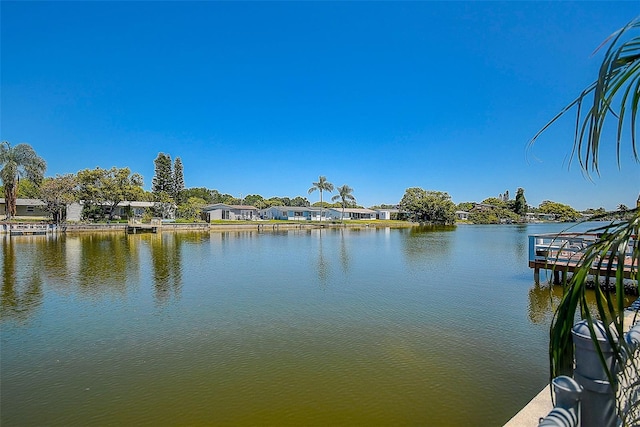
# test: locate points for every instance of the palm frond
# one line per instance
(615, 93)
(609, 261)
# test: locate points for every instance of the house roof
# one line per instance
(25, 202)
(295, 208)
(216, 206)
(355, 210)
(136, 204)
(38, 202)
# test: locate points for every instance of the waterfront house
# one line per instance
(483, 207)
(125, 209)
(536, 217)
(462, 215)
(292, 213)
(387, 213)
(352, 214)
(26, 208)
(219, 211)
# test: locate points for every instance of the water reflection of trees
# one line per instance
(103, 264)
(427, 243)
(167, 265)
(544, 299)
(21, 293)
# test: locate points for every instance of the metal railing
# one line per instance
(567, 247)
(589, 399)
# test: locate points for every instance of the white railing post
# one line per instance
(599, 395)
(566, 412)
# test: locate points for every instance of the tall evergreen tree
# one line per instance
(163, 177)
(178, 179)
(521, 203)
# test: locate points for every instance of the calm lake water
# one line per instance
(307, 327)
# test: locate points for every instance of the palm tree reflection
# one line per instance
(322, 264)
(344, 254)
(21, 291)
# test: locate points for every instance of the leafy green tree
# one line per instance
(598, 211)
(322, 185)
(614, 93)
(145, 196)
(28, 189)
(229, 199)
(323, 205)
(200, 193)
(495, 201)
(255, 200)
(465, 206)
(163, 181)
(520, 207)
(18, 162)
(273, 201)
(428, 206)
(497, 215)
(107, 187)
(178, 179)
(562, 212)
(58, 193)
(345, 197)
(300, 201)
(191, 209)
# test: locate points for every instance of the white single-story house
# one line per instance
(462, 215)
(293, 213)
(34, 208)
(31, 208)
(482, 207)
(387, 213)
(352, 213)
(533, 217)
(122, 210)
(219, 211)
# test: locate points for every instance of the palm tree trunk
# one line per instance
(11, 194)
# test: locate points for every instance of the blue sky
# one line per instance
(262, 98)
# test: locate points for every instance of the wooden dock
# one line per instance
(135, 227)
(562, 254)
(141, 228)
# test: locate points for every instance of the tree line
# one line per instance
(102, 190)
